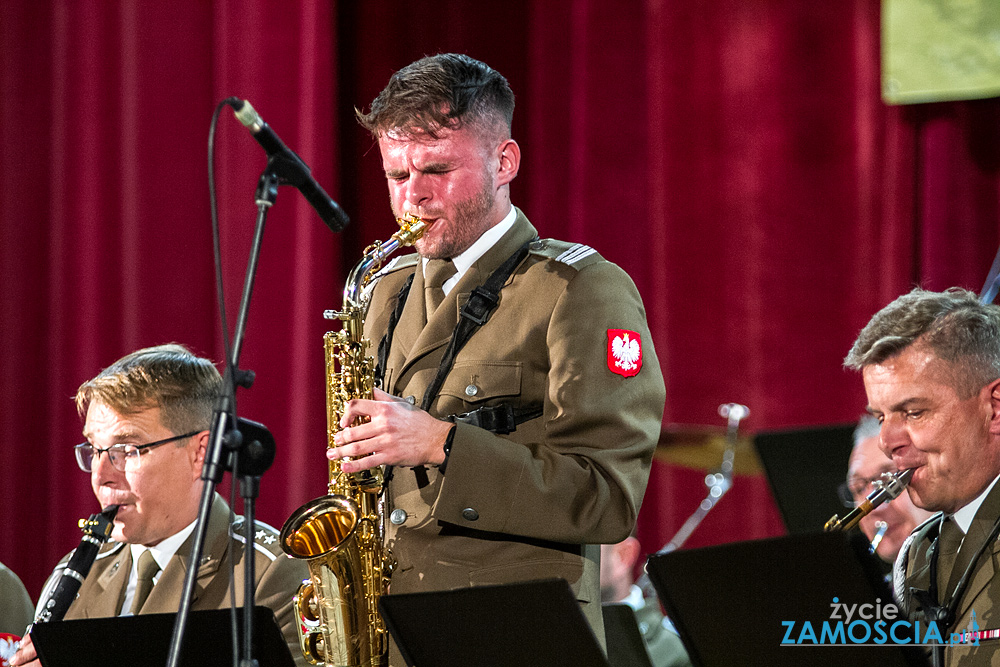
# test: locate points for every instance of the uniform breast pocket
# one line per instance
(475, 382)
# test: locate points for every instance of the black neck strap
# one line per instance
(474, 313)
(935, 606)
(383, 345)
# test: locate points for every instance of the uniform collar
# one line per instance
(489, 238)
(963, 517)
(634, 598)
(165, 549)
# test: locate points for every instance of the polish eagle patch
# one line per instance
(8, 647)
(624, 352)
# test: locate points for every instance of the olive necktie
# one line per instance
(436, 273)
(147, 569)
(949, 540)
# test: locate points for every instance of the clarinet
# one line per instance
(96, 531)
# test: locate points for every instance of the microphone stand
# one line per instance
(222, 440)
(256, 457)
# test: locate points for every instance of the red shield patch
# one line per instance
(624, 352)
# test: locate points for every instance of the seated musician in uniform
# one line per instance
(889, 524)
(931, 368)
(147, 420)
(617, 586)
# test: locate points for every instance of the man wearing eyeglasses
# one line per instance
(889, 524)
(147, 419)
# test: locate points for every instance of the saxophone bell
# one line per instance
(888, 487)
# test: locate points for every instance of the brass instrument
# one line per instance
(341, 534)
(888, 487)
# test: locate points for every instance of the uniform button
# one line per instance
(398, 517)
(471, 390)
(412, 400)
(470, 514)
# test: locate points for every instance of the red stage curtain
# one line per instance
(735, 158)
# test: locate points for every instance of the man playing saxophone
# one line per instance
(520, 445)
(889, 524)
(931, 368)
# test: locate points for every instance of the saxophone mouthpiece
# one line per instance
(887, 488)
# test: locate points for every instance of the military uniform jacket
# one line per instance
(15, 603)
(530, 504)
(982, 595)
(662, 642)
(278, 577)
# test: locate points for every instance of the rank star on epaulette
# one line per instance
(624, 352)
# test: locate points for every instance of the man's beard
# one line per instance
(467, 225)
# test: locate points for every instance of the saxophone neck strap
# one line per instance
(483, 300)
(935, 605)
(501, 419)
(386, 341)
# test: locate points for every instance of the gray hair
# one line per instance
(953, 324)
(868, 427)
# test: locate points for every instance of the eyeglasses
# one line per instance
(120, 455)
(856, 489)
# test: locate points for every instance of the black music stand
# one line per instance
(621, 630)
(529, 623)
(804, 466)
(729, 602)
(144, 640)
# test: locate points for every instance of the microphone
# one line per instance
(294, 171)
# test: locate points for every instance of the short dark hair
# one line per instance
(953, 324)
(447, 90)
(170, 377)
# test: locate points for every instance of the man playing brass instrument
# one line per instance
(147, 419)
(533, 444)
(895, 519)
(931, 368)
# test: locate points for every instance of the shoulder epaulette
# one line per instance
(109, 549)
(576, 255)
(266, 538)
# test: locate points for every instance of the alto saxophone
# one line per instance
(341, 534)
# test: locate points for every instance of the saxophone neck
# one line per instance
(889, 487)
(411, 228)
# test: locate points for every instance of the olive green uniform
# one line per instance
(534, 503)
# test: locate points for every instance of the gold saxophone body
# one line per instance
(341, 534)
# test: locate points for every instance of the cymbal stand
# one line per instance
(718, 483)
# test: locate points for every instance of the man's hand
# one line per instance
(397, 433)
(25, 656)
